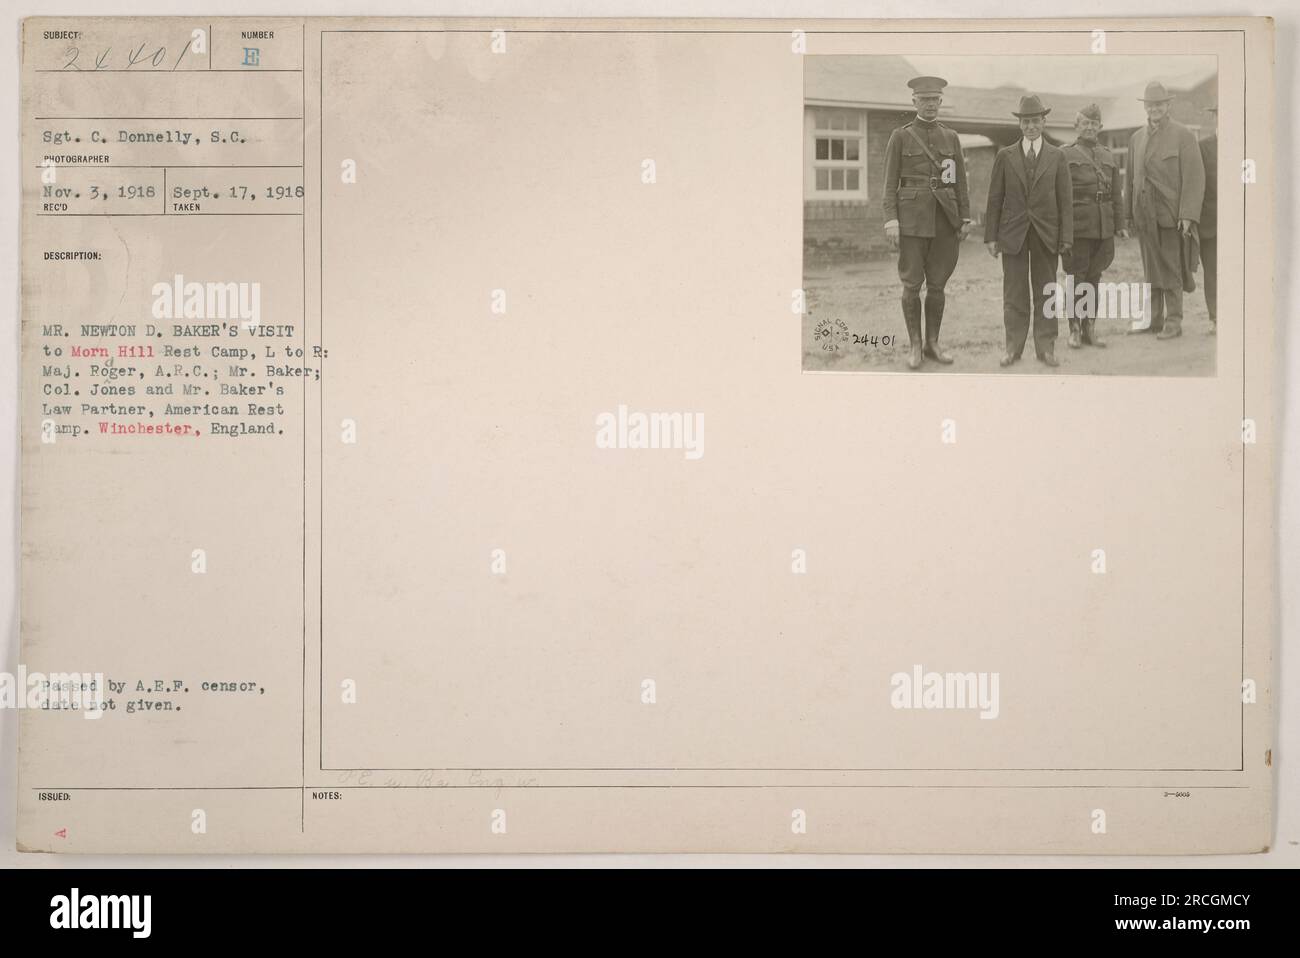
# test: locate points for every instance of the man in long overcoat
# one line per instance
(1166, 185)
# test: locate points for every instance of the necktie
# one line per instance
(1031, 161)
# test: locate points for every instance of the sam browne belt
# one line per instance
(931, 181)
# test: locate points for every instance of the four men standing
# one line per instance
(1046, 203)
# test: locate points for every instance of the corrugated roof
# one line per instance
(882, 81)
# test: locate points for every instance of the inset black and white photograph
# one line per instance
(1027, 214)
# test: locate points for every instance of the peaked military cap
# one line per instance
(924, 86)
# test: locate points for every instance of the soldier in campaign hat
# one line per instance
(927, 214)
(1098, 219)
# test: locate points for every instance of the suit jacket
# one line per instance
(1210, 205)
(1015, 204)
(914, 206)
(1095, 172)
(1167, 163)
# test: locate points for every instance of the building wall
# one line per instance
(849, 229)
(840, 230)
(979, 170)
(1189, 106)
(837, 230)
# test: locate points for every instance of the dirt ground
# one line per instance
(863, 300)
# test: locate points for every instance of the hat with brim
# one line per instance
(1156, 93)
(927, 86)
(1031, 106)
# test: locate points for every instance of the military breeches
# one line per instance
(1026, 277)
(928, 260)
(1089, 260)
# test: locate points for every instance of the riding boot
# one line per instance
(1090, 334)
(934, 302)
(912, 317)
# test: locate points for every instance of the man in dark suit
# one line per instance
(1029, 221)
(1210, 218)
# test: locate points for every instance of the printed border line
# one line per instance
(828, 33)
(503, 786)
(302, 711)
(786, 32)
(145, 73)
(1245, 132)
(698, 768)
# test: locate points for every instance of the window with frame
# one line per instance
(839, 152)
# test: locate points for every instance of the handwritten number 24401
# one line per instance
(153, 58)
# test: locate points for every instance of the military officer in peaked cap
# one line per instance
(1098, 219)
(927, 214)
